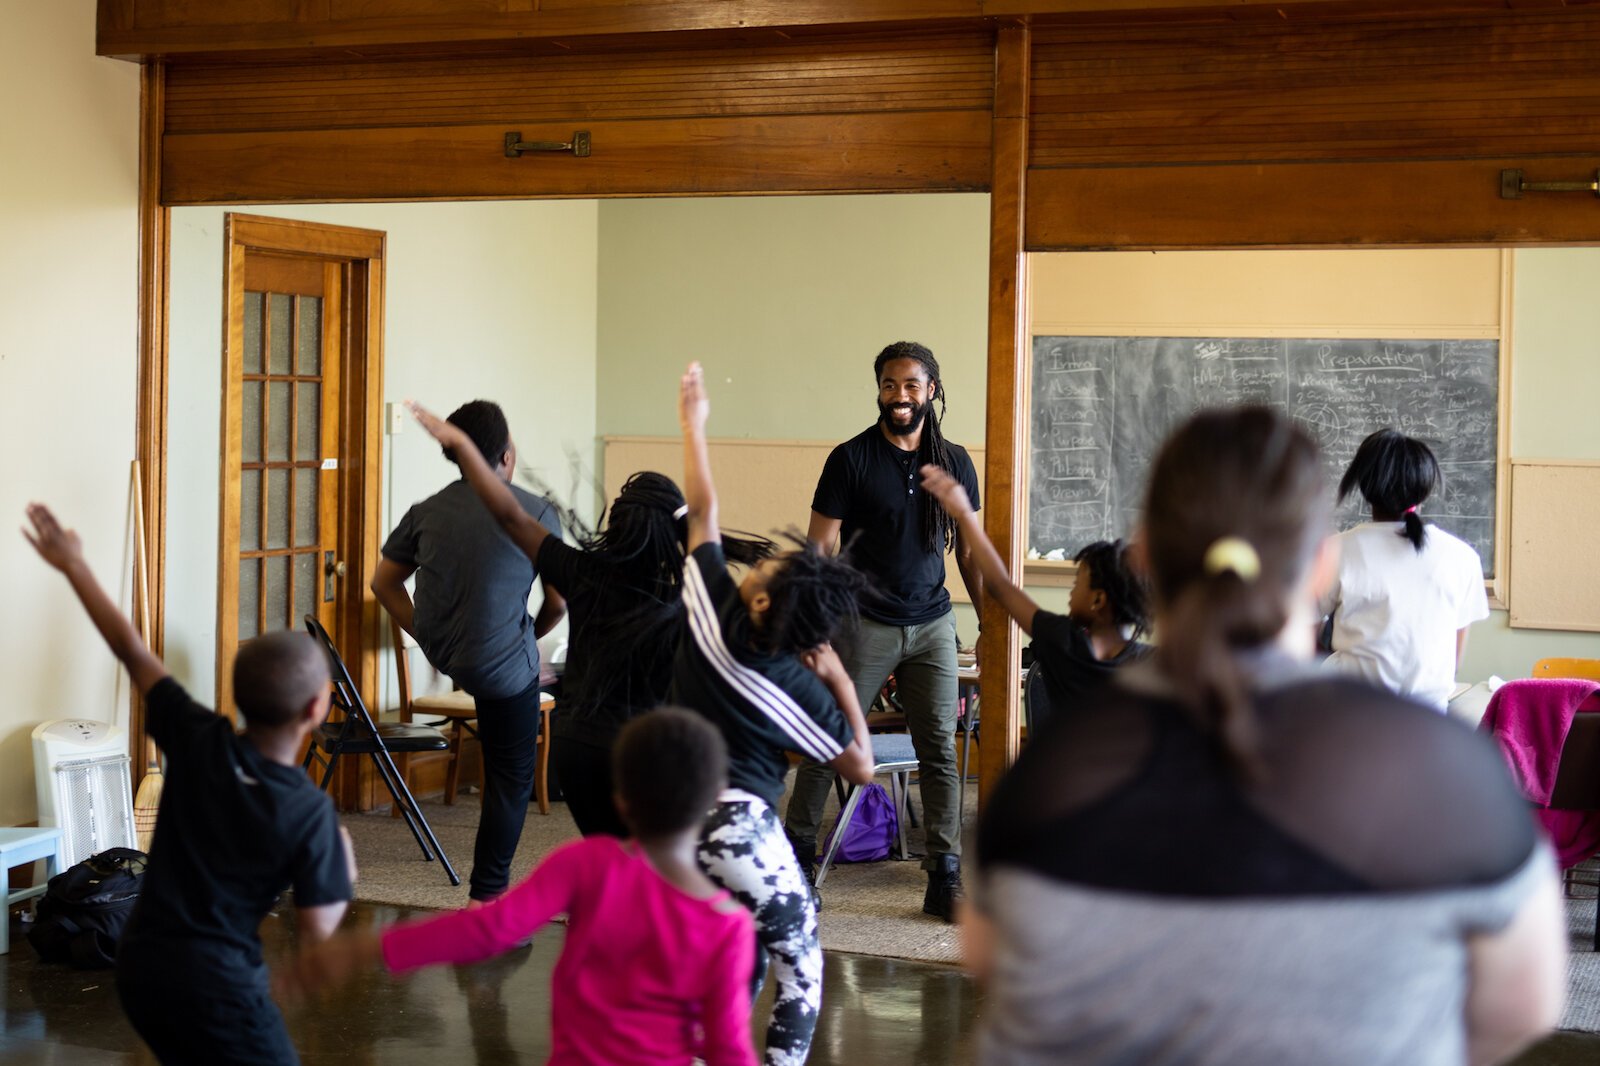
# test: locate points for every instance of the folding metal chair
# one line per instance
(357, 734)
(892, 754)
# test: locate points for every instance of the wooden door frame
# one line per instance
(359, 254)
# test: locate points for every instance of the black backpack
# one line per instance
(84, 908)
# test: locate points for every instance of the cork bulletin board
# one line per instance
(1555, 545)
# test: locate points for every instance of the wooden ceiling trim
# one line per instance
(1304, 205)
(184, 28)
(921, 74)
(930, 151)
(1419, 89)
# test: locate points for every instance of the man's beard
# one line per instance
(896, 429)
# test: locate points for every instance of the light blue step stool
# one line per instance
(18, 847)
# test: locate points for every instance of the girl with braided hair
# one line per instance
(756, 661)
(624, 594)
(1106, 613)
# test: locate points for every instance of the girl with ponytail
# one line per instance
(1226, 855)
(1406, 591)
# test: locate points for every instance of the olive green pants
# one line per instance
(922, 659)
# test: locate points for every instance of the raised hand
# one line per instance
(57, 546)
(936, 482)
(446, 433)
(693, 405)
(62, 550)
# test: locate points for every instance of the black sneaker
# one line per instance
(944, 888)
(806, 856)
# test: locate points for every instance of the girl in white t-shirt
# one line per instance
(1406, 591)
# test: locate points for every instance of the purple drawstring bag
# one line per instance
(870, 835)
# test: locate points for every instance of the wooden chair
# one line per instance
(461, 711)
(1582, 669)
(456, 707)
(1577, 786)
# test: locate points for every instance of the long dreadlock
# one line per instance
(938, 528)
(643, 541)
(1125, 588)
(814, 596)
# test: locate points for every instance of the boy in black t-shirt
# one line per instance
(239, 823)
(755, 659)
(1106, 613)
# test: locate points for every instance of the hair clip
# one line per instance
(681, 511)
(1233, 553)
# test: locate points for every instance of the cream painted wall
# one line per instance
(787, 300)
(1555, 379)
(68, 335)
(1555, 375)
(492, 300)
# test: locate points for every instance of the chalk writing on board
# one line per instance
(1103, 405)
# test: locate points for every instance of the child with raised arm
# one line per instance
(1106, 614)
(756, 661)
(656, 964)
(239, 823)
(623, 587)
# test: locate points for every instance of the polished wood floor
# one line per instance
(877, 1012)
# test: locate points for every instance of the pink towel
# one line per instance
(1530, 719)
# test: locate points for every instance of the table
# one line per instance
(18, 847)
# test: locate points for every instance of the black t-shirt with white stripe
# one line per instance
(765, 705)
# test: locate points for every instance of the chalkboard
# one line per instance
(1103, 405)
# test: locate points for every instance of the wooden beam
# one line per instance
(151, 422)
(182, 28)
(925, 151)
(1005, 501)
(1306, 204)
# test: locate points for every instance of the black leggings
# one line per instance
(584, 771)
(508, 731)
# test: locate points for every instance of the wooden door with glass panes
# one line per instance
(284, 551)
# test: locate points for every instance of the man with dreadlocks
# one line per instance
(870, 495)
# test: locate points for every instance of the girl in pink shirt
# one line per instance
(657, 962)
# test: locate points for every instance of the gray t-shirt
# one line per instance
(472, 589)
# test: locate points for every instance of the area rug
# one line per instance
(868, 908)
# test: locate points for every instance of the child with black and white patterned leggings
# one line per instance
(756, 661)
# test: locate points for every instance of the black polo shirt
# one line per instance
(876, 490)
(765, 705)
